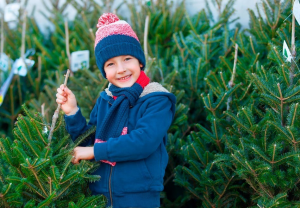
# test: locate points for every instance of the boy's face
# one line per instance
(122, 71)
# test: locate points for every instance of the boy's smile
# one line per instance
(122, 71)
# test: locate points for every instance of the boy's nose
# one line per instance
(121, 68)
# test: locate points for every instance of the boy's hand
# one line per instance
(83, 153)
(67, 99)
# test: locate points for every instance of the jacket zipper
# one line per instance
(111, 202)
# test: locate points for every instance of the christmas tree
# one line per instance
(40, 171)
(248, 155)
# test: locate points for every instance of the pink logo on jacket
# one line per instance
(124, 132)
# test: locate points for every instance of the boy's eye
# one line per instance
(128, 58)
(110, 64)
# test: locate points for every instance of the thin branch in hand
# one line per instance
(67, 45)
(55, 116)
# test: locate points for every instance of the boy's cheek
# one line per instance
(109, 77)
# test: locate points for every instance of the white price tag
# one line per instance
(80, 60)
(20, 68)
(11, 12)
(286, 52)
(45, 131)
(4, 61)
(296, 10)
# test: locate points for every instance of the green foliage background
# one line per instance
(234, 140)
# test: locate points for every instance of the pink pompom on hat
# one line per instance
(115, 37)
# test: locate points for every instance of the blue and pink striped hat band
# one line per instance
(115, 37)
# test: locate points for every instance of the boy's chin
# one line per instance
(123, 85)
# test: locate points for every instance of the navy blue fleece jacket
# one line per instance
(141, 157)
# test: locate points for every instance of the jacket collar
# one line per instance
(150, 88)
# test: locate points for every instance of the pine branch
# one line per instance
(294, 141)
(31, 168)
(95, 199)
(239, 122)
(291, 93)
(66, 165)
(33, 116)
(63, 191)
(196, 166)
(249, 116)
(295, 98)
(38, 130)
(86, 135)
(198, 154)
(59, 145)
(47, 201)
(292, 114)
(24, 138)
(205, 131)
(33, 188)
(70, 176)
(264, 85)
(192, 174)
(281, 129)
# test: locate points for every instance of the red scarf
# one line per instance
(143, 80)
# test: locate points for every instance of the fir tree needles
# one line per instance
(38, 173)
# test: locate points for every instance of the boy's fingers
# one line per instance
(61, 97)
(75, 160)
(60, 91)
(60, 101)
(67, 90)
(76, 157)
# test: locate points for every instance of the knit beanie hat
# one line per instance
(115, 37)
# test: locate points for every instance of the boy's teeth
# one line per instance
(125, 77)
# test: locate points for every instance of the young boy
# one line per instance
(132, 118)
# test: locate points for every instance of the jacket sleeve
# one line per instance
(76, 124)
(144, 139)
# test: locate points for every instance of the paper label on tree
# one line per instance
(4, 61)
(286, 52)
(296, 10)
(11, 12)
(5, 86)
(20, 68)
(80, 60)
(45, 130)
